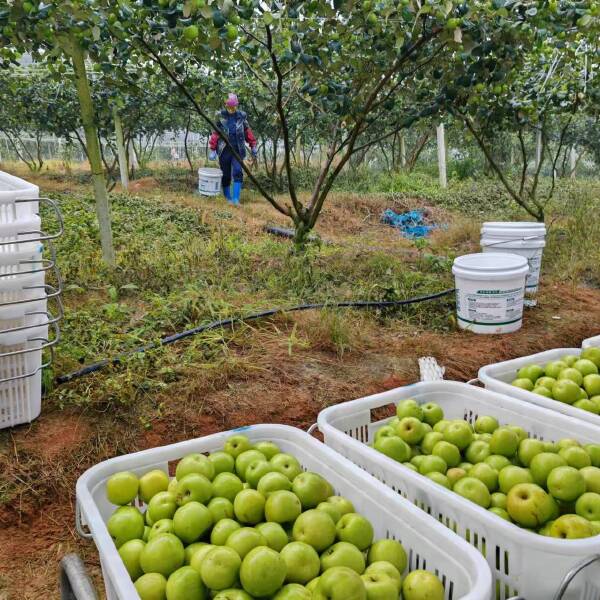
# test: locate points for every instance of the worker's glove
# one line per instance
(254, 152)
(212, 155)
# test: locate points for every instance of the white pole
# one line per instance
(121, 150)
(132, 156)
(441, 149)
(538, 149)
(573, 158)
(402, 150)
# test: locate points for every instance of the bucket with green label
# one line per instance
(490, 289)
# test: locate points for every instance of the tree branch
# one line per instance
(284, 126)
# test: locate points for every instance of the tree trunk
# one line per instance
(121, 149)
(75, 51)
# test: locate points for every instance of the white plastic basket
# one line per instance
(428, 544)
(522, 563)
(593, 342)
(21, 364)
(12, 189)
(497, 377)
(24, 316)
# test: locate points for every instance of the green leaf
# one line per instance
(585, 20)
(267, 18)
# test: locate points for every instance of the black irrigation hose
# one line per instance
(232, 320)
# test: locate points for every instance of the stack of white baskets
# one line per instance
(25, 315)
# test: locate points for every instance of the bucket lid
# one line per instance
(513, 225)
(492, 263)
(510, 231)
(211, 171)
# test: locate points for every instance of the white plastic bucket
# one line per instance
(523, 238)
(209, 181)
(490, 289)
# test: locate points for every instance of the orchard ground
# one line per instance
(185, 260)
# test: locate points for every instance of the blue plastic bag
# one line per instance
(411, 224)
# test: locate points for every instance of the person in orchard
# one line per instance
(233, 125)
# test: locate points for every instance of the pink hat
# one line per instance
(232, 100)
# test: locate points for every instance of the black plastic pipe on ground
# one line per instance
(170, 339)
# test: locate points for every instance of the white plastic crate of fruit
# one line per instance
(497, 378)
(428, 544)
(593, 342)
(522, 562)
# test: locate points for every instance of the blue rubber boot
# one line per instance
(227, 192)
(237, 191)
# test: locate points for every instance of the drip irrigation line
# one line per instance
(170, 339)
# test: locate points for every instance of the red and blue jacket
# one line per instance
(235, 128)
